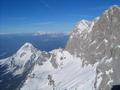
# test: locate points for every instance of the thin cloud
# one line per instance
(45, 4)
(43, 23)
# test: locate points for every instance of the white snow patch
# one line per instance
(109, 71)
(99, 79)
(118, 46)
(82, 26)
(91, 27)
(93, 42)
(109, 82)
(108, 60)
(71, 76)
(105, 40)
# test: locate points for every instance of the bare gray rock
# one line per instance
(101, 44)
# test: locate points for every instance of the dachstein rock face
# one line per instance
(106, 34)
(78, 37)
(101, 44)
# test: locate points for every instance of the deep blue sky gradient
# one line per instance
(23, 16)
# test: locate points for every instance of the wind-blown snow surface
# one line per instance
(55, 70)
(70, 75)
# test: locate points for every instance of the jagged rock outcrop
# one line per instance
(78, 37)
(101, 45)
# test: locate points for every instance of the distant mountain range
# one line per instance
(49, 33)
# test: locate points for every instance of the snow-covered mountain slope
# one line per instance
(70, 75)
(23, 59)
(58, 70)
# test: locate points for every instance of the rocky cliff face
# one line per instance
(79, 37)
(101, 45)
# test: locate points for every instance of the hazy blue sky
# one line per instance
(48, 15)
